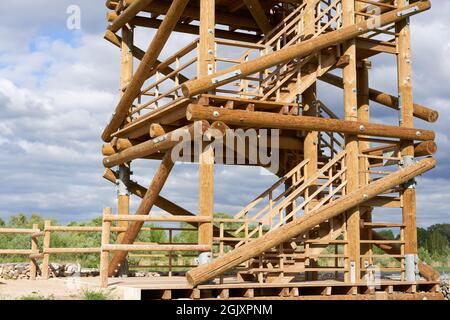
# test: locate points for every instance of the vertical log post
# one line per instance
(364, 116)
(104, 256)
(351, 146)
(406, 107)
(34, 250)
(206, 162)
(310, 108)
(123, 195)
(45, 262)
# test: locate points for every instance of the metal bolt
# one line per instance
(418, 133)
(365, 196)
(362, 128)
(216, 114)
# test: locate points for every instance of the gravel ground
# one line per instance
(52, 289)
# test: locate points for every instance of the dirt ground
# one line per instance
(53, 289)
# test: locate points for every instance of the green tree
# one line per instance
(422, 235)
(436, 243)
(387, 234)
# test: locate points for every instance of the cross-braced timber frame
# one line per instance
(257, 65)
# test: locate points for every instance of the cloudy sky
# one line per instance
(58, 88)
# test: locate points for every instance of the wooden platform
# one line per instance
(172, 288)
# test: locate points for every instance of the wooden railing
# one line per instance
(32, 252)
(331, 143)
(171, 247)
(178, 255)
(329, 182)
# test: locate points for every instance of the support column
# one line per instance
(206, 66)
(364, 116)
(123, 195)
(351, 146)
(309, 98)
(408, 193)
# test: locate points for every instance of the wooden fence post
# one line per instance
(45, 262)
(104, 256)
(34, 250)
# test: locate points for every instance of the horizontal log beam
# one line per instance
(71, 250)
(387, 100)
(17, 231)
(156, 247)
(256, 119)
(147, 64)
(159, 144)
(301, 225)
(190, 219)
(300, 50)
(422, 149)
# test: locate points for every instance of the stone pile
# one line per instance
(17, 271)
(14, 271)
(445, 288)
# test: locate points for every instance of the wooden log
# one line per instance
(128, 14)
(258, 119)
(104, 256)
(123, 144)
(16, 251)
(155, 247)
(159, 144)
(190, 219)
(257, 11)
(305, 223)
(108, 150)
(353, 216)
(157, 130)
(387, 100)
(144, 208)
(71, 250)
(17, 231)
(111, 4)
(35, 250)
(46, 245)
(421, 149)
(303, 49)
(147, 63)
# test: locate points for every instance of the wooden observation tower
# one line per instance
(256, 66)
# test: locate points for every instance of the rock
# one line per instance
(445, 288)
